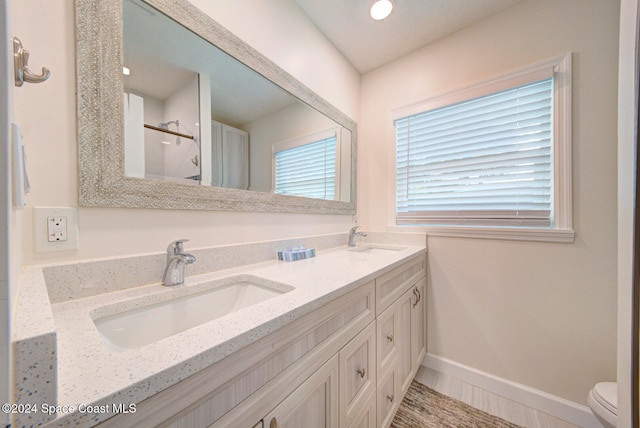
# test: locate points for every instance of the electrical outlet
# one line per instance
(55, 228)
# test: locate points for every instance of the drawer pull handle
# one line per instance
(273, 423)
(390, 338)
(361, 372)
(415, 293)
(390, 398)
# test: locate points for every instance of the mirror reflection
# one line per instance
(195, 115)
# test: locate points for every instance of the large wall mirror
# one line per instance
(176, 112)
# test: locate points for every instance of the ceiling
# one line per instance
(368, 44)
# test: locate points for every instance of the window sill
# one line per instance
(566, 236)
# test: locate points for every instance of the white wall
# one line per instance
(10, 218)
(539, 314)
(282, 32)
(183, 106)
(48, 117)
(153, 149)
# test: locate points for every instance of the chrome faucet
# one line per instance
(177, 259)
(353, 236)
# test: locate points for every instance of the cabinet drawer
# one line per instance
(387, 399)
(393, 284)
(313, 404)
(366, 417)
(388, 332)
(357, 373)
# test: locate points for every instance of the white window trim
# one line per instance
(307, 139)
(562, 229)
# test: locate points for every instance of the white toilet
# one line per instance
(603, 400)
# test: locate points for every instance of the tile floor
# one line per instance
(489, 402)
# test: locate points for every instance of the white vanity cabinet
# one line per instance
(346, 364)
(401, 335)
(246, 387)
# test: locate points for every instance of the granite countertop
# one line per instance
(91, 373)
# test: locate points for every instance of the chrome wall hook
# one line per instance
(21, 66)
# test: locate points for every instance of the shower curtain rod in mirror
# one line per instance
(166, 131)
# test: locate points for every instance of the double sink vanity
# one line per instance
(246, 341)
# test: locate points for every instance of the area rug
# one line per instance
(424, 407)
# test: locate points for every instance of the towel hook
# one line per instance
(21, 66)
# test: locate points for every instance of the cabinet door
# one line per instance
(357, 374)
(419, 325)
(314, 404)
(406, 317)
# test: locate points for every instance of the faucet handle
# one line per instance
(354, 228)
(176, 247)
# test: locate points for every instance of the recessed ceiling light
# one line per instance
(380, 9)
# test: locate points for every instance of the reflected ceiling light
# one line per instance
(126, 71)
(380, 9)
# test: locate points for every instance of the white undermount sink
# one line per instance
(139, 326)
(376, 248)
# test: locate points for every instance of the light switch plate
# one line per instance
(55, 228)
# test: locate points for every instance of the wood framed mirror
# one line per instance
(105, 178)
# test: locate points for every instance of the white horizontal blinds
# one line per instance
(483, 161)
(308, 170)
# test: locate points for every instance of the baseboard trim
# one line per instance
(539, 400)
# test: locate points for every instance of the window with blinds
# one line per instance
(307, 170)
(483, 161)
